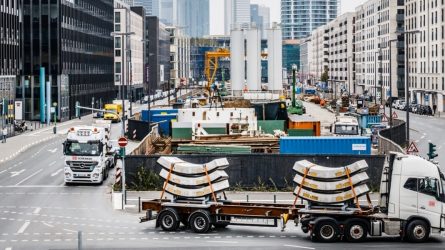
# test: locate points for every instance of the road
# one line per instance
(425, 129)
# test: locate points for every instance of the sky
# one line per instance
(217, 12)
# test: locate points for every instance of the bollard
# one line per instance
(79, 240)
(274, 198)
(247, 198)
(125, 197)
(139, 203)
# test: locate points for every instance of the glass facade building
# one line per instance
(300, 17)
(71, 40)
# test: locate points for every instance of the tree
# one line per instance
(324, 76)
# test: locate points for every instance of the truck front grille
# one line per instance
(82, 166)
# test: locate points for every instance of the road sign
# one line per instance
(384, 118)
(122, 142)
(394, 115)
(412, 148)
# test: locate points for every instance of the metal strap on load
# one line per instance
(306, 171)
(357, 203)
(210, 183)
(172, 166)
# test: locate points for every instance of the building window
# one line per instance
(117, 42)
(118, 53)
(117, 17)
(118, 67)
(117, 27)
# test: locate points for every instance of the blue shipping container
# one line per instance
(158, 115)
(366, 120)
(145, 115)
(309, 145)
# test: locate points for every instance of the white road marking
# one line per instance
(23, 228)
(70, 230)
(27, 178)
(15, 173)
(222, 241)
(8, 248)
(52, 163)
(46, 224)
(52, 150)
(57, 172)
(302, 247)
(37, 210)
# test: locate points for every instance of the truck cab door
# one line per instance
(408, 197)
(429, 202)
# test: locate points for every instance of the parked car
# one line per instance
(413, 108)
(402, 105)
(98, 114)
(425, 110)
(390, 101)
(396, 104)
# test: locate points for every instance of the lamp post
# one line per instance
(390, 82)
(406, 33)
(375, 78)
(122, 35)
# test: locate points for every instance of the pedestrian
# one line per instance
(434, 109)
(4, 134)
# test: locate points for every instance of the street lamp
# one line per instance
(390, 82)
(122, 35)
(406, 33)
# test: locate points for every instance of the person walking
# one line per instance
(434, 109)
(4, 134)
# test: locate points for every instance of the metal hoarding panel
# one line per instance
(332, 185)
(321, 172)
(215, 176)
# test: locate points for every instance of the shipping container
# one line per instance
(183, 130)
(301, 132)
(303, 122)
(146, 115)
(365, 121)
(269, 126)
(348, 145)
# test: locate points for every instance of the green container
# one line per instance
(268, 126)
(182, 133)
(301, 132)
(216, 131)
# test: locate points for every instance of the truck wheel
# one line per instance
(200, 222)
(169, 220)
(355, 231)
(417, 231)
(325, 231)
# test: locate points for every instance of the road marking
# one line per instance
(222, 241)
(57, 172)
(46, 224)
(37, 210)
(8, 248)
(70, 230)
(23, 228)
(52, 150)
(15, 173)
(293, 246)
(52, 163)
(1, 172)
(27, 178)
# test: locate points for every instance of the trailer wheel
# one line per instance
(417, 231)
(200, 221)
(355, 231)
(325, 231)
(169, 219)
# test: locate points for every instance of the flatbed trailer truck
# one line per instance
(411, 205)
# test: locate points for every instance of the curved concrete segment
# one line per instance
(187, 168)
(334, 186)
(197, 192)
(321, 172)
(215, 176)
(332, 198)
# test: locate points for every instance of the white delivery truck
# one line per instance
(345, 126)
(88, 154)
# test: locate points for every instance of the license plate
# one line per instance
(82, 175)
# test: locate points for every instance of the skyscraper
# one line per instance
(150, 6)
(260, 15)
(194, 17)
(236, 12)
(300, 17)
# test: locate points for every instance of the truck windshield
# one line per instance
(346, 130)
(86, 149)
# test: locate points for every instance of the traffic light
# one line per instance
(432, 151)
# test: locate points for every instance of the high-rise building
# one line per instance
(69, 44)
(300, 17)
(236, 12)
(167, 12)
(193, 16)
(426, 52)
(180, 56)
(10, 37)
(260, 15)
(128, 50)
(150, 6)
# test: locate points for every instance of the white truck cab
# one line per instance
(87, 157)
(345, 126)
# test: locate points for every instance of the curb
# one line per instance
(24, 148)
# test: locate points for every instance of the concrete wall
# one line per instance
(246, 170)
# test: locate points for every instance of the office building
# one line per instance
(260, 15)
(236, 12)
(306, 73)
(193, 16)
(157, 54)
(10, 38)
(69, 44)
(300, 17)
(180, 57)
(291, 54)
(378, 22)
(426, 52)
(150, 6)
(128, 50)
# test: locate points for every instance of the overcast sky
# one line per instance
(217, 11)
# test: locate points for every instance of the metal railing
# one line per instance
(392, 139)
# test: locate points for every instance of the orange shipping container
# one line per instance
(304, 123)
